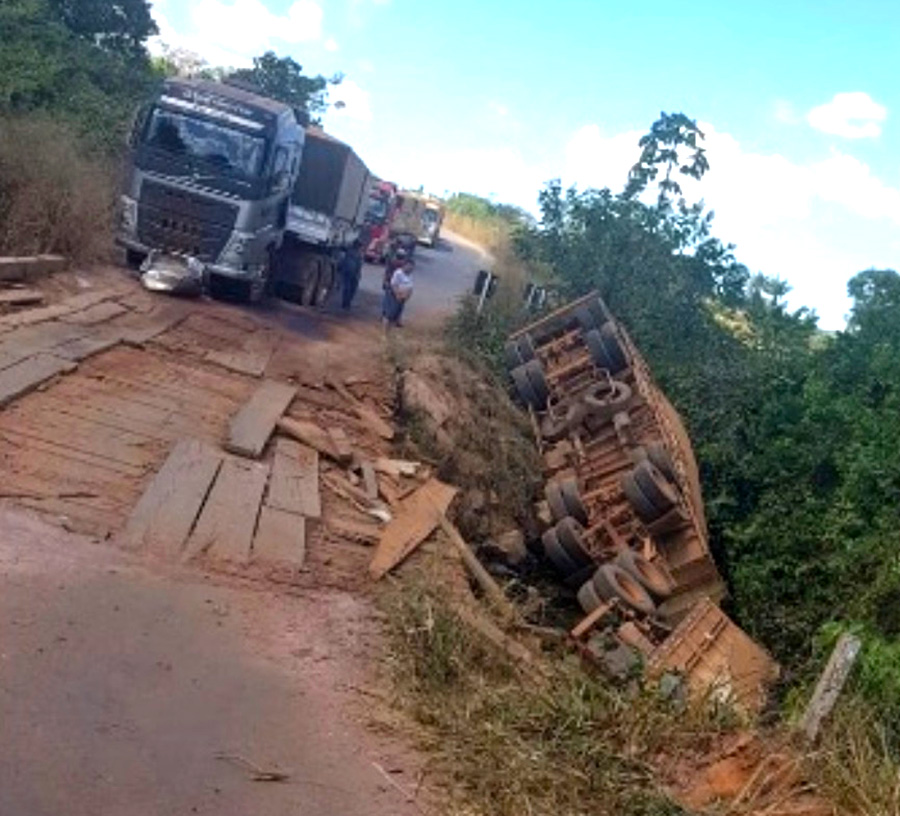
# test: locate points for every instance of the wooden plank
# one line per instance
(589, 622)
(27, 375)
(252, 359)
(30, 267)
(309, 434)
(369, 480)
(397, 467)
(21, 297)
(830, 684)
(84, 347)
(253, 424)
(280, 537)
(98, 313)
(164, 515)
(228, 520)
(367, 532)
(417, 518)
(141, 335)
(294, 486)
(341, 445)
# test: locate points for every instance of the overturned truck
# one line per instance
(625, 523)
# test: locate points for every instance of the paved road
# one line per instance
(121, 684)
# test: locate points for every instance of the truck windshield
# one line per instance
(377, 210)
(228, 149)
(430, 217)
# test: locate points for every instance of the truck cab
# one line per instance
(212, 167)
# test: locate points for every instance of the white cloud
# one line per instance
(331, 44)
(802, 222)
(850, 115)
(231, 32)
(351, 102)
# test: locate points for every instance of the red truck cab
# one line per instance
(382, 204)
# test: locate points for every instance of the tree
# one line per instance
(282, 78)
(119, 25)
(670, 136)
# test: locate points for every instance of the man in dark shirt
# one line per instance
(350, 269)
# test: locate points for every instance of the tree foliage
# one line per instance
(282, 78)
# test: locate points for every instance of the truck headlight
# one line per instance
(128, 214)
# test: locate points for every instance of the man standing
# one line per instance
(396, 293)
(350, 270)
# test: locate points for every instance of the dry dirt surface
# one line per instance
(133, 684)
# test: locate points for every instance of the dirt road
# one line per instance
(131, 684)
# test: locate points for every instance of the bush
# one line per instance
(54, 196)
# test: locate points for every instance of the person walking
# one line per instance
(396, 293)
(350, 270)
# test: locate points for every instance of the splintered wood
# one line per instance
(416, 519)
(294, 486)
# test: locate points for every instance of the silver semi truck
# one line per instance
(212, 168)
(327, 213)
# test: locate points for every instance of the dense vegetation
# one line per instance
(796, 430)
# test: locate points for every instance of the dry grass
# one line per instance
(492, 234)
(507, 747)
(53, 196)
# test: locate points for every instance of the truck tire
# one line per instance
(327, 281)
(571, 496)
(557, 555)
(615, 354)
(519, 351)
(612, 581)
(524, 388)
(527, 351)
(589, 316)
(655, 486)
(604, 403)
(594, 341)
(654, 580)
(535, 372)
(588, 599)
(511, 355)
(553, 495)
(645, 509)
(570, 534)
(659, 457)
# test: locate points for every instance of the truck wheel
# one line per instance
(659, 457)
(614, 353)
(327, 280)
(604, 403)
(571, 497)
(594, 341)
(535, 372)
(557, 555)
(655, 486)
(511, 355)
(588, 598)
(612, 581)
(523, 387)
(526, 347)
(641, 505)
(654, 579)
(570, 534)
(586, 317)
(553, 495)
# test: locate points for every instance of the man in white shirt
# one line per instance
(398, 291)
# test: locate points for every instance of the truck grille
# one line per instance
(180, 221)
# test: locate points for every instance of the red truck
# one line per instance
(382, 205)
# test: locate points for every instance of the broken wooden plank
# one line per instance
(92, 315)
(342, 445)
(485, 580)
(370, 481)
(253, 358)
(382, 428)
(30, 267)
(25, 376)
(590, 621)
(367, 532)
(83, 347)
(280, 537)
(253, 424)
(228, 520)
(830, 684)
(416, 519)
(397, 467)
(139, 336)
(162, 519)
(21, 297)
(294, 485)
(309, 434)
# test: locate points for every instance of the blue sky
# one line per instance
(798, 100)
